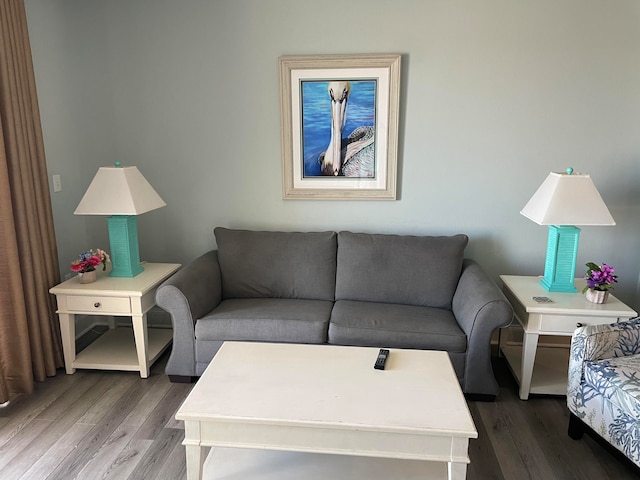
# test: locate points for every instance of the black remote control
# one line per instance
(382, 358)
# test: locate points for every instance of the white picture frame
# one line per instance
(363, 164)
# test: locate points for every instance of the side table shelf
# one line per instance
(550, 373)
(116, 349)
(122, 348)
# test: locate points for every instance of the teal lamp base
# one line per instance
(560, 264)
(123, 239)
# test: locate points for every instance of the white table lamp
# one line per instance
(122, 193)
(563, 200)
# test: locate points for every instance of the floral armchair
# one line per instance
(604, 384)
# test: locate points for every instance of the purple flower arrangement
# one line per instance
(599, 277)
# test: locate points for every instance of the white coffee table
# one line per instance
(329, 400)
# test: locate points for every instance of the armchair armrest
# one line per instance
(188, 295)
(479, 307)
(597, 342)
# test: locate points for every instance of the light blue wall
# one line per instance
(495, 94)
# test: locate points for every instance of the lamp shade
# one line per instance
(119, 191)
(567, 199)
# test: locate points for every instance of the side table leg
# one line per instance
(142, 342)
(529, 347)
(68, 333)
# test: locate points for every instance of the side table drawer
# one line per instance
(111, 305)
(568, 323)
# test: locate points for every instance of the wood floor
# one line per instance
(111, 425)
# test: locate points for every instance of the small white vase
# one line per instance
(87, 277)
(597, 296)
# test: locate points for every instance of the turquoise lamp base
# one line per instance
(123, 239)
(560, 264)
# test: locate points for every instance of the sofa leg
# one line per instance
(480, 397)
(576, 427)
(181, 379)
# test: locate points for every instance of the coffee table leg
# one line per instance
(194, 451)
(457, 471)
(195, 461)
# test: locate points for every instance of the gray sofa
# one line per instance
(339, 288)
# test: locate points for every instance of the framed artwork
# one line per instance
(339, 122)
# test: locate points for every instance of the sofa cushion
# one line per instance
(397, 326)
(407, 270)
(266, 320)
(277, 264)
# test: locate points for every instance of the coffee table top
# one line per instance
(331, 386)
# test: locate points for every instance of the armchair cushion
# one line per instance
(616, 379)
(597, 342)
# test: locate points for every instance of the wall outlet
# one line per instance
(57, 183)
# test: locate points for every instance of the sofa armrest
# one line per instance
(479, 307)
(597, 342)
(189, 294)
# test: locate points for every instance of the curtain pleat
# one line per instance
(30, 345)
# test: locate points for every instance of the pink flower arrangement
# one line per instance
(599, 277)
(88, 261)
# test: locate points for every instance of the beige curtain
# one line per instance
(30, 346)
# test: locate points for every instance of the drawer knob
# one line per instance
(578, 324)
(97, 304)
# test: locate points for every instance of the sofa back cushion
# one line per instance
(257, 264)
(400, 269)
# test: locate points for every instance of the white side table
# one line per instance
(118, 348)
(542, 369)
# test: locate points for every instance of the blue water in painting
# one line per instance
(316, 117)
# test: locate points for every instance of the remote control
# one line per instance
(382, 358)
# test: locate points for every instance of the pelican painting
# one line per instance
(339, 139)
